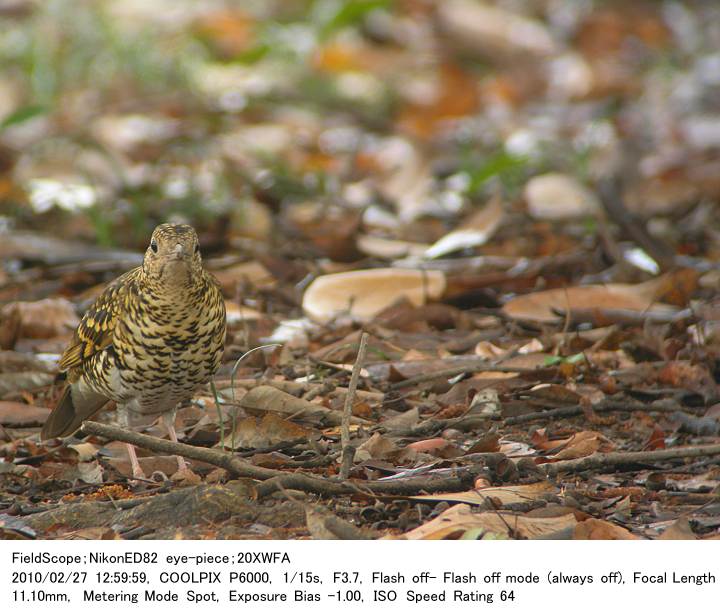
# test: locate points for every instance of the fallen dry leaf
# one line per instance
(475, 231)
(579, 445)
(253, 433)
(600, 529)
(678, 530)
(46, 318)
(545, 306)
(460, 518)
(267, 398)
(362, 294)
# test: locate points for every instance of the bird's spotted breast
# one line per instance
(164, 348)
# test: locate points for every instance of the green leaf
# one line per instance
(22, 115)
(503, 165)
(351, 13)
(557, 359)
(575, 359)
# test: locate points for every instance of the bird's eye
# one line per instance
(197, 248)
(153, 245)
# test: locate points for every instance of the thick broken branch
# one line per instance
(298, 481)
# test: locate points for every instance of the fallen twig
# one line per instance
(608, 461)
(349, 399)
(603, 406)
(469, 367)
(403, 487)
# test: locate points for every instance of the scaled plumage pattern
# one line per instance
(148, 342)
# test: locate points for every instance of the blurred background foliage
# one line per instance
(266, 119)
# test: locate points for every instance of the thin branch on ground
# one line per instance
(608, 461)
(604, 406)
(479, 366)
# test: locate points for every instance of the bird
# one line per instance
(152, 338)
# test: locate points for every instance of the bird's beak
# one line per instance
(178, 251)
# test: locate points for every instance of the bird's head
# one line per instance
(173, 256)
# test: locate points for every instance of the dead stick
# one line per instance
(274, 480)
(463, 480)
(611, 460)
(604, 406)
(349, 399)
(484, 366)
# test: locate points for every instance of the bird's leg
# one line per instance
(137, 471)
(124, 421)
(168, 420)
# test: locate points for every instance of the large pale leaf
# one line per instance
(364, 293)
(545, 306)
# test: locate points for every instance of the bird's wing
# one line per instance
(97, 327)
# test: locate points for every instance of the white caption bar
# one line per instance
(322, 577)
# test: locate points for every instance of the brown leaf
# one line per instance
(578, 445)
(584, 444)
(168, 465)
(377, 447)
(554, 393)
(656, 440)
(186, 477)
(600, 529)
(544, 306)
(487, 444)
(436, 446)
(680, 529)
(267, 398)
(46, 318)
(253, 433)
(684, 375)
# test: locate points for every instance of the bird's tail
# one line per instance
(75, 406)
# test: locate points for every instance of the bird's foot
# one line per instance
(137, 471)
(169, 422)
